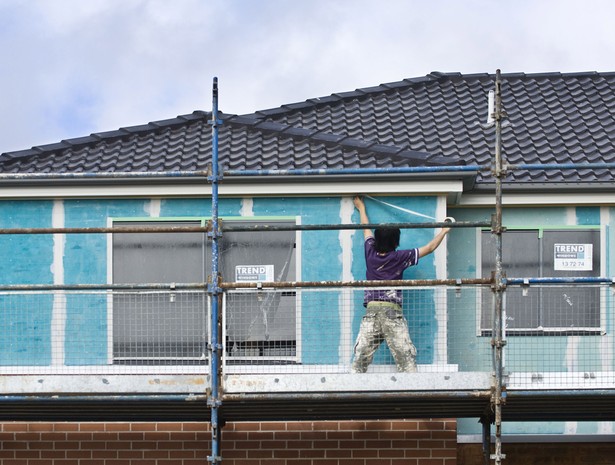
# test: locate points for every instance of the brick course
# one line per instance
(396, 442)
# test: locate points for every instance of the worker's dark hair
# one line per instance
(387, 239)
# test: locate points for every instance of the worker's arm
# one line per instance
(360, 206)
(434, 243)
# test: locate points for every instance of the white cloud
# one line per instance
(75, 67)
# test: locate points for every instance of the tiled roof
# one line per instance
(438, 119)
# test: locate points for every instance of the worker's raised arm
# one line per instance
(360, 206)
(434, 243)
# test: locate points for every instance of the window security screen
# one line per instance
(173, 325)
(159, 325)
(558, 253)
(260, 324)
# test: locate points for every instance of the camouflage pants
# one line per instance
(384, 321)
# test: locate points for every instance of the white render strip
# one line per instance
(58, 316)
(344, 300)
(235, 189)
(440, 349)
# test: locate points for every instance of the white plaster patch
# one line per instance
(345, 297)
(247, 207)
(570, 427)
(607, 345)
(58, 317)
(153, 208)
(571, 215)
(605, 427)
(572, 353)
(440, 295)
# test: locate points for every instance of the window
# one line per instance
(166, 325)
(531, 253)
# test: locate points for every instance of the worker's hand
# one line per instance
(448, 219)
(358, 203)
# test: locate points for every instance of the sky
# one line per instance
(75, 67)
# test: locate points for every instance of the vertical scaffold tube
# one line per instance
(214, 288)
(497, 337)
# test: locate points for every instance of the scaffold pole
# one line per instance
(214, 289)
(497, 340)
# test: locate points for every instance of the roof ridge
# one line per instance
(433, 76)
(359, 92)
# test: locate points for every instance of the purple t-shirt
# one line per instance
(388, 266)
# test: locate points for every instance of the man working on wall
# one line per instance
(384, 320)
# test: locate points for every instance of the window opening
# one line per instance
(545, 253)
(161, 326)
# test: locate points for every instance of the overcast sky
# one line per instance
(74, 67)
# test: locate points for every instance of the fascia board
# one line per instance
(424, 187)
(511, 200)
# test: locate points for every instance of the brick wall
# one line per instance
(409, 442)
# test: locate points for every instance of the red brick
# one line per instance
(117, 426)
(273, 426)
(285, 454)
(351, 425)
(405, 425)
(13, 427)
(40, 427)
(325, 426)
(431, 444)
(91, 427)
(245, 427)
(390, 453)
(78, 454)
(261, 454)
(299, 426)
(168, 426)
(26, 454)
(381, 444)
(142, 427)
(338, 453)
(66, 427)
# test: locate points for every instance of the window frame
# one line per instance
(202, 221)
(600, 329)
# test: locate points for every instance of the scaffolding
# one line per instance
(220, 342)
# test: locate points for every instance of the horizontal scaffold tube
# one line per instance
(397, 283)
(235, 228)
(168, 287)
(558, 166)
(105, 175)
(357, 171)
(171, 287)
(567, 280)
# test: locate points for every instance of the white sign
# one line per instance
(254, 273)
(573, 257)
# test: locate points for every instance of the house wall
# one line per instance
(81, 322)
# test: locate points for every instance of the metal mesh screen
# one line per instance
(307, 330)
(314, 330)
(570, 344)
(102, 331)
